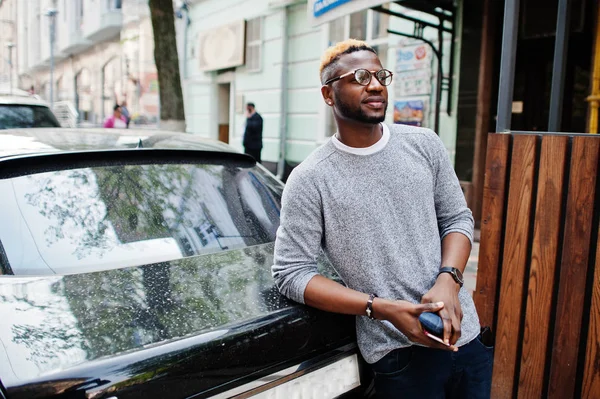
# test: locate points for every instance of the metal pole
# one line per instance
(561, 48)
(10, 64)
(102, 97)
(284, 94)
(440, 77)
(51, 13)
(507, 65)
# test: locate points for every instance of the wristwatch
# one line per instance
(455, 273)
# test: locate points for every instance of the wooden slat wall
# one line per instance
(514, 265)
(539, 256)
(546, 234)
(492, 222)
(591, 374)
(574, 266)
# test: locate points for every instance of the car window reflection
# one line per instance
(83, 317)
(101, 218)
(26, 116)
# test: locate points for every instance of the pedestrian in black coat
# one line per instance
(253, 132)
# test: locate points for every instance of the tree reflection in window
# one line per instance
(123, 213)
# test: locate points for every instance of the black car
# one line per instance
(136, 264)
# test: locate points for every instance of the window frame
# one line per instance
(256, 43)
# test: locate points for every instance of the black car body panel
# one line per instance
(172, 329)
(196, 325)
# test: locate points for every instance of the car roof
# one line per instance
(55, 140)
(19, 97)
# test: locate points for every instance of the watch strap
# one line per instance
(453, 272)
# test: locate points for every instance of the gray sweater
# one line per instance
(379, 214)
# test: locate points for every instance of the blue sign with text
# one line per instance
(322, 6)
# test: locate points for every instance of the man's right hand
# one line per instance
(405, 317)
(328, 295)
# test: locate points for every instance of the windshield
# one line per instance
(25, 116)
(90, 219)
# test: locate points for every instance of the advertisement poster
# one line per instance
(412, 57)
(409, 112)
(413, 83)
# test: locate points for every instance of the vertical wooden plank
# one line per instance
(514, 264)
(591, 374)
(574, 265)
(491, 227)
(546, 231)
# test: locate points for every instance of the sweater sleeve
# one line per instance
(298, 241)
(453, 215)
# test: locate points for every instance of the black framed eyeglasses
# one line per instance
(363, 77)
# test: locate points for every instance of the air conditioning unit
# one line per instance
(222, 47)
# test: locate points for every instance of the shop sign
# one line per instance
(322, 11)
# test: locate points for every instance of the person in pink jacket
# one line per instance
(116, 120)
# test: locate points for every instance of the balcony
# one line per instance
(44, 63)
(75, 42)
(106, 26)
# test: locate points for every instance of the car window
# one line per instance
(26, 116)
(90, 219)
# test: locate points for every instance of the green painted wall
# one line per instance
(306, 113)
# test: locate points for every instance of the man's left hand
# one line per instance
(446, 290)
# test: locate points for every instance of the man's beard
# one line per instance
(358, 114)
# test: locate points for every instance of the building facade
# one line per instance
(8, 39)
(280, 71)
(102, 55)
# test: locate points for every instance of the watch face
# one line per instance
(458, 275)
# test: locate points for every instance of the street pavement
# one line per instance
(470, 274)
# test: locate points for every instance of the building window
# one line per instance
(114, 4)
(358, 25)
(367, 25)
(78, 15)
(380, 24)
(253, 44)
(337, 30)
(382, 50)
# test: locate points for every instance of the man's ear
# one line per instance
(327, 93)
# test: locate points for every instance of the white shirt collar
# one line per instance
(378, 146)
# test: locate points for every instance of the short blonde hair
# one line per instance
(333, 53)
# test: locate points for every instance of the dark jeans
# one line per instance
(254, 153)
(419, 372)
